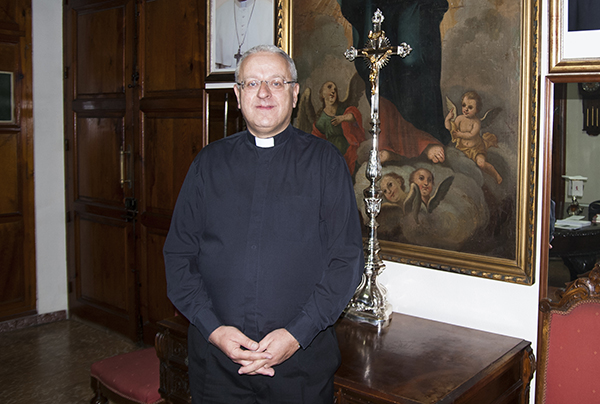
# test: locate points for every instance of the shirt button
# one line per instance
(253, 247)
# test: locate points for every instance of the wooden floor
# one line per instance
(50, 363)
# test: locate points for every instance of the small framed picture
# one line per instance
(234, 26)
(574, 35)
(7, 102)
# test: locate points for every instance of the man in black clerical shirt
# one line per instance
(264, 250)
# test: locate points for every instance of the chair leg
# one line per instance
(98, 397)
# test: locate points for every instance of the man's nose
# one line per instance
(263, 89)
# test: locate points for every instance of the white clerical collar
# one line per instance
(264, 142)
(243, 4)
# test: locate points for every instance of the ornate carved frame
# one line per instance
(282, 23)
(522, 269)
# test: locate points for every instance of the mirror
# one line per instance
(575, 151)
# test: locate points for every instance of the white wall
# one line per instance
(469, 301)
(48, 149)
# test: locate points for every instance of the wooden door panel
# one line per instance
(102, 70)
(155, 305)
(13, 288)
(170, 145)
(98, 149)
(105, 287)
(171, 62)
(105, 257)
(173, 36)
(9, 169)
(99, 44)
(17, 221)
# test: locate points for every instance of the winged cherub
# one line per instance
(466, 131)
(422, 192)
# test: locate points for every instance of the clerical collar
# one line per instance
(264, 143)
(278, 139)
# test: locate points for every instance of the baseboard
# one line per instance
(30, 321)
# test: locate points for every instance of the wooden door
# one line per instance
(171, 59)
(99, 130)
(141, 98)
(17, 229)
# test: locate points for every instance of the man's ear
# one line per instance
(296, 91)
(236, 90)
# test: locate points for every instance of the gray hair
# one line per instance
(268, 49)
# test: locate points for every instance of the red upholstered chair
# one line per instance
(569, 350)
(131, 378)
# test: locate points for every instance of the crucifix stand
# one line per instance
(369, 303)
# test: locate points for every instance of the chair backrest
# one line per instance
(569, 347)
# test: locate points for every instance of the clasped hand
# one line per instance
(255, 358)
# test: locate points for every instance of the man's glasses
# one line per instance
(273, 84)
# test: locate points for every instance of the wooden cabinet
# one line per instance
(412, 361)
(421, 361)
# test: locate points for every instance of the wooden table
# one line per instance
(579, 249)
(412, 361)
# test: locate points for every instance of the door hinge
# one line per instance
(130, 209)
(66, 145)
(66, 73)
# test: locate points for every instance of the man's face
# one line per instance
(267, 112)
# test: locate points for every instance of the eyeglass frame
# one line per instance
(242, 84)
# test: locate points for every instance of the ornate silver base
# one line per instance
(369, 303)
(379, 318)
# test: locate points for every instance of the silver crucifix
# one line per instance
(369, 303)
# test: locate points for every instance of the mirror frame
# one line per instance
(546, 170)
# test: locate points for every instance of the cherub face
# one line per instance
(329, 93)
(424, 180)
(469, 107)
(392, 187)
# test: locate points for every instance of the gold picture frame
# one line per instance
(568, 50)
(280, 34)
(325, 22)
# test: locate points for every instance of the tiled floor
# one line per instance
(50, 363)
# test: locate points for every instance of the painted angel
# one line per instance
(422, 192)
(338, 121)
(466, 131)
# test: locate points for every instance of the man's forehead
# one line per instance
(251, 65)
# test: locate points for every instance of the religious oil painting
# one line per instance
(234, 26)
(458, 131)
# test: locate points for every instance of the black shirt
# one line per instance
(265, 238)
